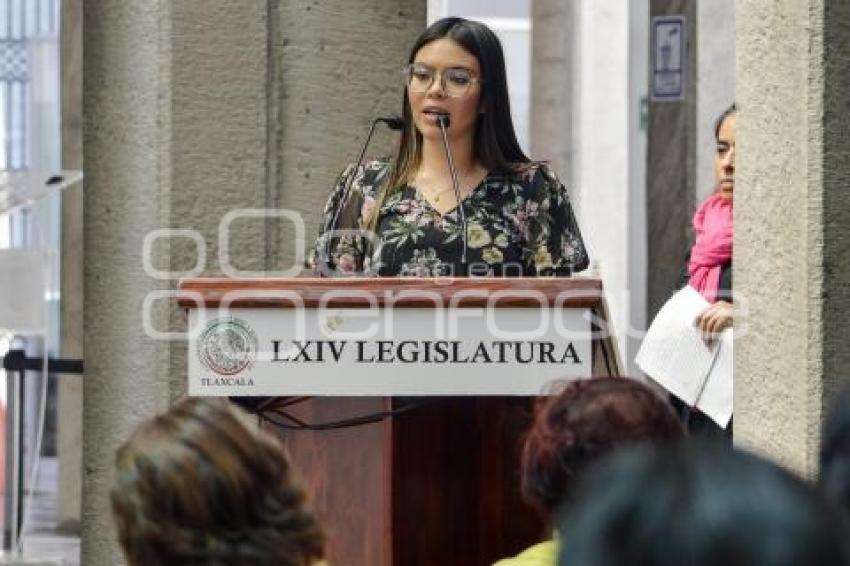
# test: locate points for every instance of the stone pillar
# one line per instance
(70, 388)
(554, 80)
(126, 372)
(671, 161)
(216, 137)
(175, 137)
(337, 65)
(193, 110)
(792, 209)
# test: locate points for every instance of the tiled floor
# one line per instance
(41, 543)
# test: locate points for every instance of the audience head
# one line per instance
(700, 505)
(835, 452)
(200, 485)
(587, 420)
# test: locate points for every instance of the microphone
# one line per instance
(444, 122)
(393, 122)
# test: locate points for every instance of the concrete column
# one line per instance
(193, 110)
(792, 209)
(337, 65)
(70, 389)
(671, 162)
(126, 372)
(217, 134)
(175, 137)
(554, 85)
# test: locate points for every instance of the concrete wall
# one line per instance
(325, 91)
(214, 137)
(791, 211)
(127, 373)
(554, 86)
(70, 390)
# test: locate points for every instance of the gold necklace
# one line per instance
(436, 196)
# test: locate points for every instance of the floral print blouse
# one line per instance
(520, 224)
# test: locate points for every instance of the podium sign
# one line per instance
(386, 351)
(329, 352)
(392, 336)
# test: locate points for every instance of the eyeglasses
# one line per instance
(455, 81)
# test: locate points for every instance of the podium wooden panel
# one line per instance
(435, 484)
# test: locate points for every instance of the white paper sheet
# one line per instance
(674, 354)
(716, 398)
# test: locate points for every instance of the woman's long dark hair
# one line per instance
(495, 145)
(718, 123)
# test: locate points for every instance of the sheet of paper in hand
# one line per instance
(674, 354)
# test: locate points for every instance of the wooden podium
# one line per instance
(430, 477)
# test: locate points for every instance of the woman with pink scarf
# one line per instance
(709, 269)
(710, 263)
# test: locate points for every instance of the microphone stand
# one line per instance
(444, 122)
(395, 123)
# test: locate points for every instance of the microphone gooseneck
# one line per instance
(443, 121)
(393, 122)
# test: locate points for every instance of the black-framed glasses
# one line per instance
(455, 81)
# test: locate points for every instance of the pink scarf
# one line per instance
(713, 246)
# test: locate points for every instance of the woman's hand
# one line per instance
(714, 320)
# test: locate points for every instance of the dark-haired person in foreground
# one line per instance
(700, 505)
(835, 451)
(198, 486)
(589, 419)
(519, 221)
